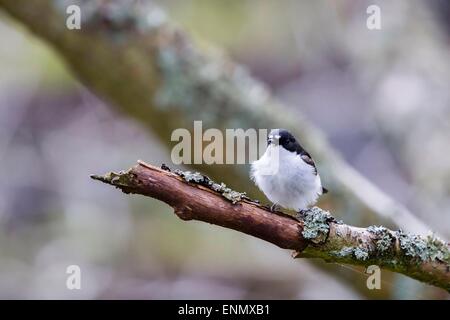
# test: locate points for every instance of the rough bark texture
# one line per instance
(316, 235)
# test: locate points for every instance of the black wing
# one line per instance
(307, 158)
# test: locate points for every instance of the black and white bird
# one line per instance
(287, 174)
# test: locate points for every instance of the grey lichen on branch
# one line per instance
(204, 180)
(316, 224)
(121, 180)
(315, 234)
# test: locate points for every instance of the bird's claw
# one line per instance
(274, 207)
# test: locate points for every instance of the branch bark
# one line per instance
(316, 235)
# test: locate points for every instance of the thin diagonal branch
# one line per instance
(317, 235)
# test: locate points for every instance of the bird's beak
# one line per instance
(273, 139)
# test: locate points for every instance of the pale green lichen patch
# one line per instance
(384, 243)
(429, 249)
(195, 177)
(384, 239)
(201, 179)
(376, 229)
(123, 179)
(233, 196)
(413, 246)
(360, 253)
(316, 224)
(438, 249)
(345, 252)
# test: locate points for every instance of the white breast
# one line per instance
(286, 179)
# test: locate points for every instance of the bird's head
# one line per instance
(282, 137)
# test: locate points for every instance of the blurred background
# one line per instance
(381, 97)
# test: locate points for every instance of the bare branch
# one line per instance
(194, 196)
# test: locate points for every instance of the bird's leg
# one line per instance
(274, 207)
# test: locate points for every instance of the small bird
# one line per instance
(287, 174)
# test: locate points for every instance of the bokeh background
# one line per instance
(381, 97)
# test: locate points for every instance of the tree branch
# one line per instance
(194, 196)
(132, 55)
